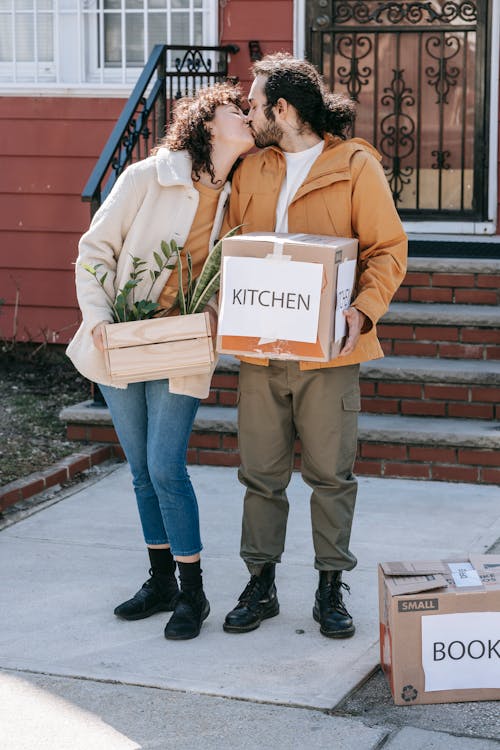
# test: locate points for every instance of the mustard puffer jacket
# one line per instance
(345, 194)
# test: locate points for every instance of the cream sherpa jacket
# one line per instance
(153, 200)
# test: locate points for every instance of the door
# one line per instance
(418, 73)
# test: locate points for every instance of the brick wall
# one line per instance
(454, 342)
(462, 289)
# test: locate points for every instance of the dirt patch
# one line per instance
(373, 703)
(35, 384)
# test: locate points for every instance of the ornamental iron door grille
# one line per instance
(418, 72)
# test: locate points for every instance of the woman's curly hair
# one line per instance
(300, 84)
(188, 129)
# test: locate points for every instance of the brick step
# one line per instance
(467, 281)
(463, 450)
(390, 446)
(419, 386)
(441, 330)
(422, 386)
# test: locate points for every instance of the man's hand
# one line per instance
(97, 335)
(355, 321)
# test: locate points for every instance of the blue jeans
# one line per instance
(154, 426)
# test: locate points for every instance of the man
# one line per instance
(308, 178)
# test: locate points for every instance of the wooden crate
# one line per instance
(158, 348)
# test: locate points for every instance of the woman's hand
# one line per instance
(97, 335)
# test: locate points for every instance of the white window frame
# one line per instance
(70, 55)
(443, 227)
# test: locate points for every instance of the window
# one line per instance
(99, 42)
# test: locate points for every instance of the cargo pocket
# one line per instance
(351, 402)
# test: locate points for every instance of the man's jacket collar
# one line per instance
(336, 154)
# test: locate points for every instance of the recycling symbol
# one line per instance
(409, 693)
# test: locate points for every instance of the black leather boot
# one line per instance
(191, 609)
(258, 602)
(158, 594)
(329, 610)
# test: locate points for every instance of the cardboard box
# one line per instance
(158, 348)
(282, 295)
(440, 629)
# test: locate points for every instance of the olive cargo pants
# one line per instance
(276, 404)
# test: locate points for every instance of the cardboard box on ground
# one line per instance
(283, 295)
(158, 348)
(440, 629)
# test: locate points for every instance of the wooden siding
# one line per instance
(48, 147)
(269, 22)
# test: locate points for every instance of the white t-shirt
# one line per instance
(298, 165)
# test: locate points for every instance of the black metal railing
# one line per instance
(170, 73)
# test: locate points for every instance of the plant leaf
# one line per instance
(211, 288)
(159, 260)
(210, 267)
(190, 285)
(181, 297)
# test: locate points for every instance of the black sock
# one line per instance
(161, 560)
(190, 575)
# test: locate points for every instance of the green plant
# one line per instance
(125, 308)
(200, 290)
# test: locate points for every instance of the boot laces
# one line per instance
(253, 591)
(334, 594)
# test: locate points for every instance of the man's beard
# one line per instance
(270, 135)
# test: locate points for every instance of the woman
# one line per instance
(178, 193)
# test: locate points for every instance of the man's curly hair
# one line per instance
(300, 83)
(188, 129)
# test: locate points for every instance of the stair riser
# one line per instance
(442, 341)
(374, 459)
(457, 400)
(399, 397)
(412, 461)
(223, 390)
(463, 288)
(423, 462)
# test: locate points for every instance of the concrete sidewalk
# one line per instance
(75, 676)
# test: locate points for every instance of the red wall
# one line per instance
(48, 147)
(269, 22)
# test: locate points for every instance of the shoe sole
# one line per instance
(347, 633)
(204, 616)
(152, 611)
(248, 628)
